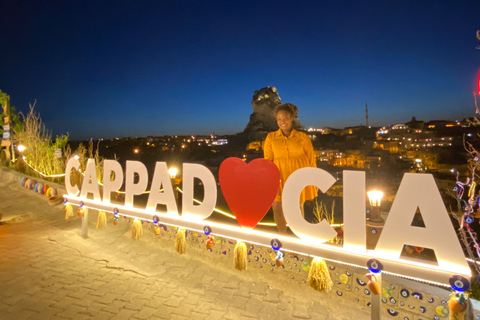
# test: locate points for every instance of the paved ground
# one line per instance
(47, 271)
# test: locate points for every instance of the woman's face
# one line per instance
(284, 120)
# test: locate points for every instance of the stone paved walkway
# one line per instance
(47, 271)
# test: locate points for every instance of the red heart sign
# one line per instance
(249, 189)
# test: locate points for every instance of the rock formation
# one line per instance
(262, 120)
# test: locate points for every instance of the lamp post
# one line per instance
(375, 198)
(375, 223)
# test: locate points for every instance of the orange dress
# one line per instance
(289, 154)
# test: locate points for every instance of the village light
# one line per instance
(21, 148)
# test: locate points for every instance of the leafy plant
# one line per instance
(41, 153)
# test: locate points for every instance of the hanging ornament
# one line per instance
(137, 229)
(279, 259)
(80, 212)
(240, 254)
(207, 230)
(101, 220)
(68, 209)
(156, 228)
(210, 241)
(319, 277)
(375, 266)
(373, 284)
(460, 306)
(116, 220)
(180, 242)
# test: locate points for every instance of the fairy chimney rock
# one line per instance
(262, 120)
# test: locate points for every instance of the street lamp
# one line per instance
(375, 198)
(172, 172)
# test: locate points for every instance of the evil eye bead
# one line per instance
(276, 244)
(155, 219)
(207, 230)
(374, 266)
(459, 283)
(81, 204)
(65, 200)
(115, 211)
(417, 295)
(361, 283)
(468, 219)
(392, 312)
(404, 293)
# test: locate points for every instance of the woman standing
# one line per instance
(290, 150)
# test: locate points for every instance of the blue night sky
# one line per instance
(106, 69)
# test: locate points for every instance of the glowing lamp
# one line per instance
(172, 172)
(375, 198)
(21, 148)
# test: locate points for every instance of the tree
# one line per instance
(15, 123)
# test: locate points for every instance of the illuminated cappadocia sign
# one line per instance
(250, 190)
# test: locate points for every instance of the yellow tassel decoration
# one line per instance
(137, 229)
(460, 307)
(240, 254)
(101, 220)
(319, 277)
(68, 211)
(180, 242)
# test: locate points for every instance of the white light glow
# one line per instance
(172, 172)
(375, 198)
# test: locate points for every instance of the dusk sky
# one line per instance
(104, 69)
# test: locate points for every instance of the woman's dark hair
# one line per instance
(288, 107)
